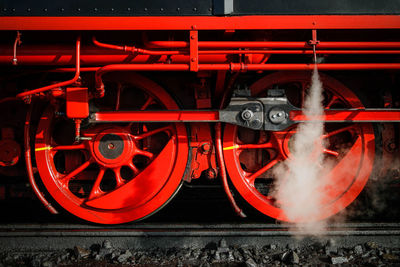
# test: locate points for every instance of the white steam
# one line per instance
(298, 191)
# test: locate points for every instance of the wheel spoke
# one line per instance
(331, 152)
(147, 103)
(331, 101)
(78, 170)
(118, 177)
(145, 153)
(153, 132)
(338, 131)
(69, 147)
(118, 100)
(254, 146)
(96, 191)
(133, 168)
(254, 176)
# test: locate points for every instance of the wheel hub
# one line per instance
(113, 147)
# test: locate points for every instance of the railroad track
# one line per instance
(61, 236)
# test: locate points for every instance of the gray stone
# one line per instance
(107, 244)
(358, 250)
(36, 262)
(230, 257)
(290, 257)
(365, 255)
(390, 257)
(81, 252)
(47, 264)
(331, 247)
(371, 245)
(222, 243)
(104, 252)
(124, 257)
(339, 260)
(251, 263)
(272, 246)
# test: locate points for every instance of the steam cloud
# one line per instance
(298, 191)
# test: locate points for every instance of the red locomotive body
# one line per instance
(116, 106)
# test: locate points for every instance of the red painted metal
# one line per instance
(221, 163)
(275, 44)
(194, 51)
(358, 115)
(325, 66)
(135, 67)
(77, 102)
(158, 116)
(349, 174)
(60, 84)
(203, 153)
(61, 55)
(238, 67)
(163, 162)
(300, 52)
(133, 49)
(348, 115)
(203, 22)
(10, 150)
(28, 163)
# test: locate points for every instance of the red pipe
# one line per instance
(220, 158)
(273, 67)
(28, 163)
(272, 44)
(306, 52)
(60, 84)
(64, 55)
(133, 49)
(135, 67)
(238, 67)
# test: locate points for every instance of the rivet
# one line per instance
(28, 9)
(45, 9)
(145, 9)
(95, 9)
(129, 9)
(13, 10)
(178, 9)
(62, 9)
(112, 9)
(4, 9)
(195, 9)
(161, 9)
(78, 9)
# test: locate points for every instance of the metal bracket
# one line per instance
(244, 111)
(269, 113)
(194, 50)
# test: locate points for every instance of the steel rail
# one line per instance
(61, 236)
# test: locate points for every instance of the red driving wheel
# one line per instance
(124, 172)
(251, 155)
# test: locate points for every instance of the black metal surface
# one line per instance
(105, 8)
(195, 8)
(111, 146)
(311, 7)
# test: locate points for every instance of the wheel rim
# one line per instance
(250, 156)
(125, 172)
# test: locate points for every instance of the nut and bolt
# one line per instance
(247, 114)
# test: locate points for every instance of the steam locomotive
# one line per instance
(108, 107)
